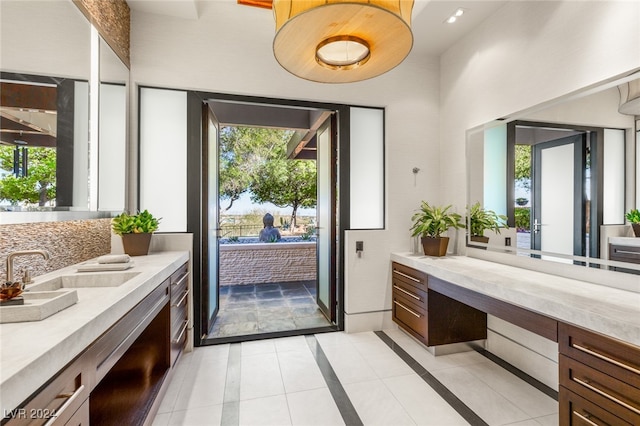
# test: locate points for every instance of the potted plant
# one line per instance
(135, 231)
(429, 223)
(633, 216)
(481, 219)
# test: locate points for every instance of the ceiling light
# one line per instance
(455, 15)
(341, 42)
(458, 12)
(451, 19)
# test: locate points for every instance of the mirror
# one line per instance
(48, 74)
(564, 175)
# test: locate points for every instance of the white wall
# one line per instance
(526, 54)
(214, 53)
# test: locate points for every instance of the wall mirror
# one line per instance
(564, 174)
(53, 77)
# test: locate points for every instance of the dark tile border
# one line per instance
(467, 413)
(550, 392)
(231, 401)
(340, 397)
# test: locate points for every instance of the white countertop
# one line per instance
(625, 241)
(606, 310)
(33, 352)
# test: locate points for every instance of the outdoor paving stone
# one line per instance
(245, 297)
(237, 316)
(265, 295)
(241, 289)
(276, 325)
(266, 287)
(298, 292)
(274, 314)
(297, 301)
(309, 322)
(305, 311)
(237, 329)
(291, 285)
(273, 303)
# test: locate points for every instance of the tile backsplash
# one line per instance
(67, 242)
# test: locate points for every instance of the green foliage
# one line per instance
(523, 220)
(633, 216)
(309, 232)
(234, 239)
(481, 219)
(523, 166)
(286, 183)
(142, 222)
(242, 151)
(432, 221)
(39, 186)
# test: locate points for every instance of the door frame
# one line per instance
(196, 185)
(596, 149)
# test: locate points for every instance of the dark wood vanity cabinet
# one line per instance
(599, 379)
(431, 317)
(121, 377)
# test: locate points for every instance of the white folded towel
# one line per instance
(114, 258)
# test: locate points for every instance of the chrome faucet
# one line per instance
(11, 256)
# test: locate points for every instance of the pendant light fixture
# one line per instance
(341, 41)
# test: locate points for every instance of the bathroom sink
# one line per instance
(105, 279)
(38, 305)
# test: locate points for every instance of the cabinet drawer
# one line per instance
(629, 254)
(577, 411)
(415, 294)
(179, 281)
(56, 402)
(613, 357)
(409, 276)
(410, 317)
(611, 394)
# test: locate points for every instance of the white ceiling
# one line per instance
(432, 36)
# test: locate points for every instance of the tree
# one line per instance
(242, 151)
(39, 186)
(523, 166)
(286, 183)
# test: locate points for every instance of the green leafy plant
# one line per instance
(633, 216)
(432, 221)
(309, 232)
(142, 222)
(481, 219)
(523, 220)
(234, 239)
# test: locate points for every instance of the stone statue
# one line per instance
(269, 234)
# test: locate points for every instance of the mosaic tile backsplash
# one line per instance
(67, 242)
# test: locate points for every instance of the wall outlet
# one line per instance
(507, 241)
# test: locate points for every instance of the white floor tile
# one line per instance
(551, 420)
(258, 347)
(260, 376)
(209, 416)
(314, 408)
(348, 364)
(388, 365)
(492, 407)
(269, 411)
(294, 343)
(203, 385)
(300, 371)
(376, 405)
(422, 403)
(524, 396)
(161, 419)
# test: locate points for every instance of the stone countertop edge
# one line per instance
(31, 353)
(625, 241)
(609, 311)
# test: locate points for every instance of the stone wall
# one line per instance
(267, 263)
(67, 242)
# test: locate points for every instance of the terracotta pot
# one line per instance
(636, 229)
(136, 244)
(433, 246)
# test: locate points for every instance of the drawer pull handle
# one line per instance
(184, 296)
(184, 328)
(585, 418)
(72, 396)
(177, 283)
(406, 276)
(411, 311)
(407, 292)
(606, 358)
(634, 253)
(588, 385)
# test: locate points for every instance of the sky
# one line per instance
(245, 205)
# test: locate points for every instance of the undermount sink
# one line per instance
(105, 279)
(38, 305)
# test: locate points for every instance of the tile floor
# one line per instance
(266, 308)
(283, 382)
